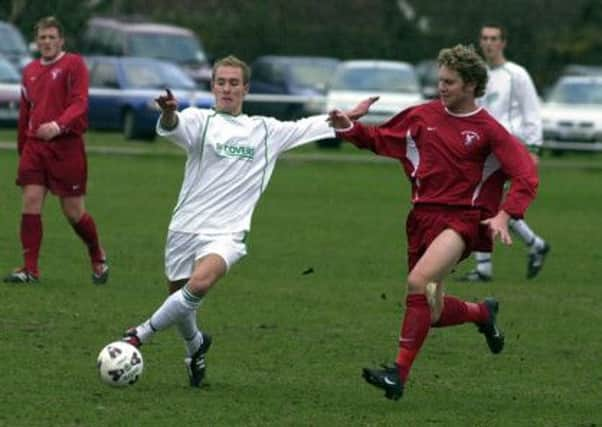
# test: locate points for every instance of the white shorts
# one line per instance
(182, 250)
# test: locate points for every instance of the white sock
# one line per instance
(484, 264)
(177, 306)
(520, 227)
(187, 327)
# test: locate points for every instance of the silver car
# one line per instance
(572, 114)
(10, 93)
(396, 83)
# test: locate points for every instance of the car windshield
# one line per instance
(583, 92)
(156, 76)
(8, 74)
(312, 74)
(172, 47)
(375, 79)
(12, 42)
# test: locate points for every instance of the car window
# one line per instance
(12, 41)
(279, 74)
(103, 75)
(374, 79)
(156, 76)
(582, 92)
(261, 72)
(8, 74)
(114, 43)
(98, 40)
(314, 74)
(177, 48)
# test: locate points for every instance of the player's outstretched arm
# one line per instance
(168, 105)
(339, 120)
(343, 119)
(362, 108)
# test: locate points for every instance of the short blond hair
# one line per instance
(48, 22)
(233, 61)
(468, 64)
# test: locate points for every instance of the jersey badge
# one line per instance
(470, 137)
(55, 73)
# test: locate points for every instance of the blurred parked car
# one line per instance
(10, 93)
(572, 113)
(13, 46)
(581, 70)
(428, 76)
(123, 91)
(289, 87)
(105, 36)
(395, 82)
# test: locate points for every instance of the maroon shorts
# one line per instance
(59, 166)
(426, 222)
(485, 241)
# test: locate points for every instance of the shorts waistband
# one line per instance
(435, 207)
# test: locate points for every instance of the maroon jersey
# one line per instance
(58, 92)
(450, 158)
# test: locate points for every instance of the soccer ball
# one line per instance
(119, 364)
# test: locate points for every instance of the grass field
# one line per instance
(288, 347)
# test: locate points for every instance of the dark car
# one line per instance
(10, 93)
(289, 87)
(123, 91)
(117, 37)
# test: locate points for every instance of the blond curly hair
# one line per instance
(468, 64)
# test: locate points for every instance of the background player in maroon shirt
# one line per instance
(53, 117)
(450, 150)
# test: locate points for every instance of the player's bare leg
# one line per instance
(438, 261)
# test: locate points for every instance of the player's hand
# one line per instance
(498, 225)
(167, 102)
(339, 120)
(362, 108)
(47, 131)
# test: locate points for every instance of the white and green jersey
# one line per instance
(511, 98)
(230, 162)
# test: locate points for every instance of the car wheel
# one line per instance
(129, 125)
(130, 128)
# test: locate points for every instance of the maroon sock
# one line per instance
(31, 240)
(415, 327)
(86, 230)
(455, 312)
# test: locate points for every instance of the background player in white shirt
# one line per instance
(512, 99)
(231, 157)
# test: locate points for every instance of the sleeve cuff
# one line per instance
(163, 131)
(347, 129)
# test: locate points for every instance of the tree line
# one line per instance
(544, 35)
